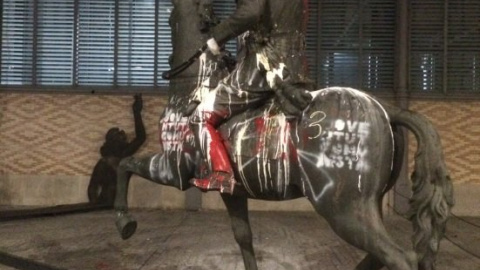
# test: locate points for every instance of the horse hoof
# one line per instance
(126, 226)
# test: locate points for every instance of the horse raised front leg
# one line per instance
(237, 207)
(125, 223)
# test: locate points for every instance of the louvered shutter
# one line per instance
(136, 42)
(357, 44)
(17, 42)
(378, 50)
(426, 45)
(96, 42)
(55, 23)
(312, 39)
(463, 61)
(164, 39)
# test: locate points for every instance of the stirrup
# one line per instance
(221, 181)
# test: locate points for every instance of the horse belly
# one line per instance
(268, 179)
(263, 151)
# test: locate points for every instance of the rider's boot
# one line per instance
(222, 177)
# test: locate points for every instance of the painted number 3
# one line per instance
(320, 116)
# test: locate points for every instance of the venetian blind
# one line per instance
(164, 39)
(85, 42)
(312, 39)
(357, 44)
(54, 39)
(96, 42)
(463, 45)
(17, 42)
(136, 42)
(426, 45)
(444, 40)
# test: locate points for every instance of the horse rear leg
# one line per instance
(360, 224)
(237, 207)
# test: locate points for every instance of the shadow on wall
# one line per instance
(49, 143)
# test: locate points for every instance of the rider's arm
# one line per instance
(247, 15)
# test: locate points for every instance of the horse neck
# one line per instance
(186, 35)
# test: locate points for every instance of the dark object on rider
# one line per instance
(292, 99)
(207, 17)
(168, 75)
(103, 181)
(192, 105)
(229, 61)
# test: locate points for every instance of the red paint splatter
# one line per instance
(102, 266)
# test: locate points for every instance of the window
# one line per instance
(17, 42)
(126, 43)
(357, 44)
(97, 43)
(444, 51)
(84, 42)
(53, 40)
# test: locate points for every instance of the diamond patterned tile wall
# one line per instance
(458, 124)
(59, 134)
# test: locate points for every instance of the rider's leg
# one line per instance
(211, 144)
(218, 106)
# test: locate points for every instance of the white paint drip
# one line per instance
(238, 159)
(360, 183)
(272, 73)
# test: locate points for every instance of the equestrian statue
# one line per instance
(259, 130)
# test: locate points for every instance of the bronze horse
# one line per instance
(341, 154)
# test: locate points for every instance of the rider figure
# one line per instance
(270, 61)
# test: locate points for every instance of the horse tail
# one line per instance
(398, 153)
(432, 197)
